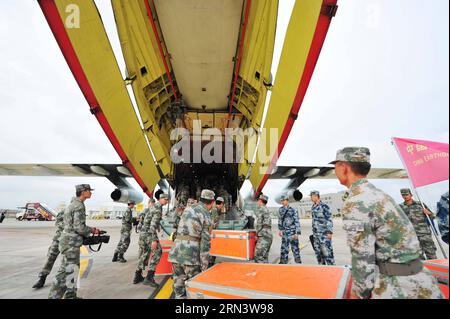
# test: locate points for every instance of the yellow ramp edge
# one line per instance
(95, 54)
(295, 52)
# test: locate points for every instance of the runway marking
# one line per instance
(165, 289)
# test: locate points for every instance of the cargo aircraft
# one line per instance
(190, 62)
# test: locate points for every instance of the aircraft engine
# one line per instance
(123, 195)
(294, 195)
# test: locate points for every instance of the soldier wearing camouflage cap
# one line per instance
(263, 231)
(70, 241)
(289, 230)
(190, 254)
(384, 246)
(125, 234)
(322, 228)
(417, 215)
(149, 244)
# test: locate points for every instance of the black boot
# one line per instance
(116, 255)
(138, 277)
(149, 280)
(298, 260)
(121, 259)
(40, 283)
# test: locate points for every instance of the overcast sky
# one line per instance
(383, 72)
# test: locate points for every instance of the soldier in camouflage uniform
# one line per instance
(417, 215)
(384, 246)
(442, 215)
(149, 243)
(217, 213)
(151, 204)
(53, 250)
(190, 254)
(289, 226)
(322, 227)
(125, 234)
(71, 240)
(178, 212)
(263, 231)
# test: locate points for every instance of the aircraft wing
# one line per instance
(298, 174)
(116, 173)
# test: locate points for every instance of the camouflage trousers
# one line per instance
(146, 252)
(52, 254)
(420, 286)
(124, 243)
(324, 250)
(66, 280)
(182, 273)
(262, 247)
(285, 243)
(427, 246)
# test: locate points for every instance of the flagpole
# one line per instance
(421, 203)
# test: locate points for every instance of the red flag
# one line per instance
(427, 162)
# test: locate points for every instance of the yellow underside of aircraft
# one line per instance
(189, 60)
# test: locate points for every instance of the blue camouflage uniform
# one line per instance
(322, 225)
(289, 225)
(442, 215)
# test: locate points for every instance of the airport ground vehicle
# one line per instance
(36, 211)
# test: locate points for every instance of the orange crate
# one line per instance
(267, 281)
(236, 244)
(439, 268)
(165, 267)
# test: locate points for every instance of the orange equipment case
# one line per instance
(439, 268)
(268, 281)
(236, 244)
(165, 267)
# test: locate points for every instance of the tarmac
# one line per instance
(24, 244)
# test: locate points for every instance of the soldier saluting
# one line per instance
(263, 231)
(190, 254)
(416, 214)
(71, 240)
(384, 246)
(322, 227)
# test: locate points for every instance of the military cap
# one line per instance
(220, 199)
(208, 194)
(163, 196)
(353, 155)
(405, 191)
(131, 202)
(180, 206)
(264, 198)
(284, 197)
(83, 187)
(152, 200)
(314, 193)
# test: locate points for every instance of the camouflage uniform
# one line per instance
(149, 234)
(384, 247)
(418, 219)
(144, 247)
(442, 215)
(69, 245)
(53, 250)
(322, 225)
(125, 232)
(289, 225)
(264, 233)
(191, 250)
